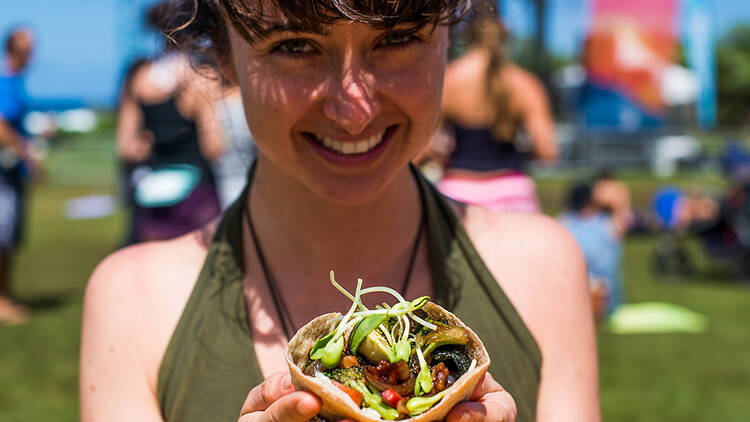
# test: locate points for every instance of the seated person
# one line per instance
(676, 210)
(598, 216)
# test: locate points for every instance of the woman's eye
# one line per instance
(295, 46)
(397, 40)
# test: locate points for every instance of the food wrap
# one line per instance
(337, 405)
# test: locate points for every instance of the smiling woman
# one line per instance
(340, 96)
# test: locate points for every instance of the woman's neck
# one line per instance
(304, 236)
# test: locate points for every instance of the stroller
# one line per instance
(722, 225)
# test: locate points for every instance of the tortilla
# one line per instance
(337, 405)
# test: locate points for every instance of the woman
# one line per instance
(500, 117)
(340, 97)
(167, 128)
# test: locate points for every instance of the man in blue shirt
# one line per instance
(15, 162)
(598, 217)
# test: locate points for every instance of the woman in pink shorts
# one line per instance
(499, 115)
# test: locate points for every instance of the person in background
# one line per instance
(133, 156)
(16, 162)
(167, 135)
(598, 215)
(500, 118)
(231, 167)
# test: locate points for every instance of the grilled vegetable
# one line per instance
(443, 336)
(454, 357)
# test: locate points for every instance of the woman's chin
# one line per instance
(351, 191)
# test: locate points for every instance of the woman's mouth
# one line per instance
(350, 147)
(351, 152)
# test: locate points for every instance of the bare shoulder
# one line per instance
(460, 78)
(148, 268)
(524, 84)
(535, 260)
(135, 297)
(524, 236)
(541, 269)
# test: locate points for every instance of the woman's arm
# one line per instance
(113, 382)
(564, 328)
(133, 143)
(536, 116)
(541, 269)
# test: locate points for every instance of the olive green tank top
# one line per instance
(210, 365)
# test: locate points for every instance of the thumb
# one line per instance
(295, 407)
(269, 391)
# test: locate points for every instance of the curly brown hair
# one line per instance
(198, 27)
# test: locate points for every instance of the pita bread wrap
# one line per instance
(337, 405)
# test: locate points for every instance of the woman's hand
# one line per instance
(488, 402)
(275, 400)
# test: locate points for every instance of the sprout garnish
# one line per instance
(329, 348)
(424, 378)
(417, 405)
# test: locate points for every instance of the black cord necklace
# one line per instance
(278, 300)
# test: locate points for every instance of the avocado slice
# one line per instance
(375, 348)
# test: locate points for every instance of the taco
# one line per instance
(412, 360)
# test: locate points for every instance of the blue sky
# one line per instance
(83, 44)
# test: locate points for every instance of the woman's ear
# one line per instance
(226, 67)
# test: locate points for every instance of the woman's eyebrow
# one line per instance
(278, 27)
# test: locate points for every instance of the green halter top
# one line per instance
(210, 365)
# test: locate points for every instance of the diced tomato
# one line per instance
(391, 397)
(352, 393)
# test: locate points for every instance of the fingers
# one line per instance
(275, 400)
(488, 402)
(486, 385)
(294, 407)
(263, 395)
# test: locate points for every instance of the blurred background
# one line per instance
(652, 94)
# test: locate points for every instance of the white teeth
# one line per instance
(350, 148)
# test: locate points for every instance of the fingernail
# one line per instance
(286, 382)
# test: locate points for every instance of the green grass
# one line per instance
(658, 377)
(39, 360)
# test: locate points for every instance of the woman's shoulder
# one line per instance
(156, 264)
(526, 236)
(140, 291)
(524, 84)
(535, 260)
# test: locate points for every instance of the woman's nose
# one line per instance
(352, 102)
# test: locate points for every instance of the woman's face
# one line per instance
(342, 112)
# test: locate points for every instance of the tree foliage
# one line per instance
(733, 70)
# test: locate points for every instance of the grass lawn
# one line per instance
(658, 377)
